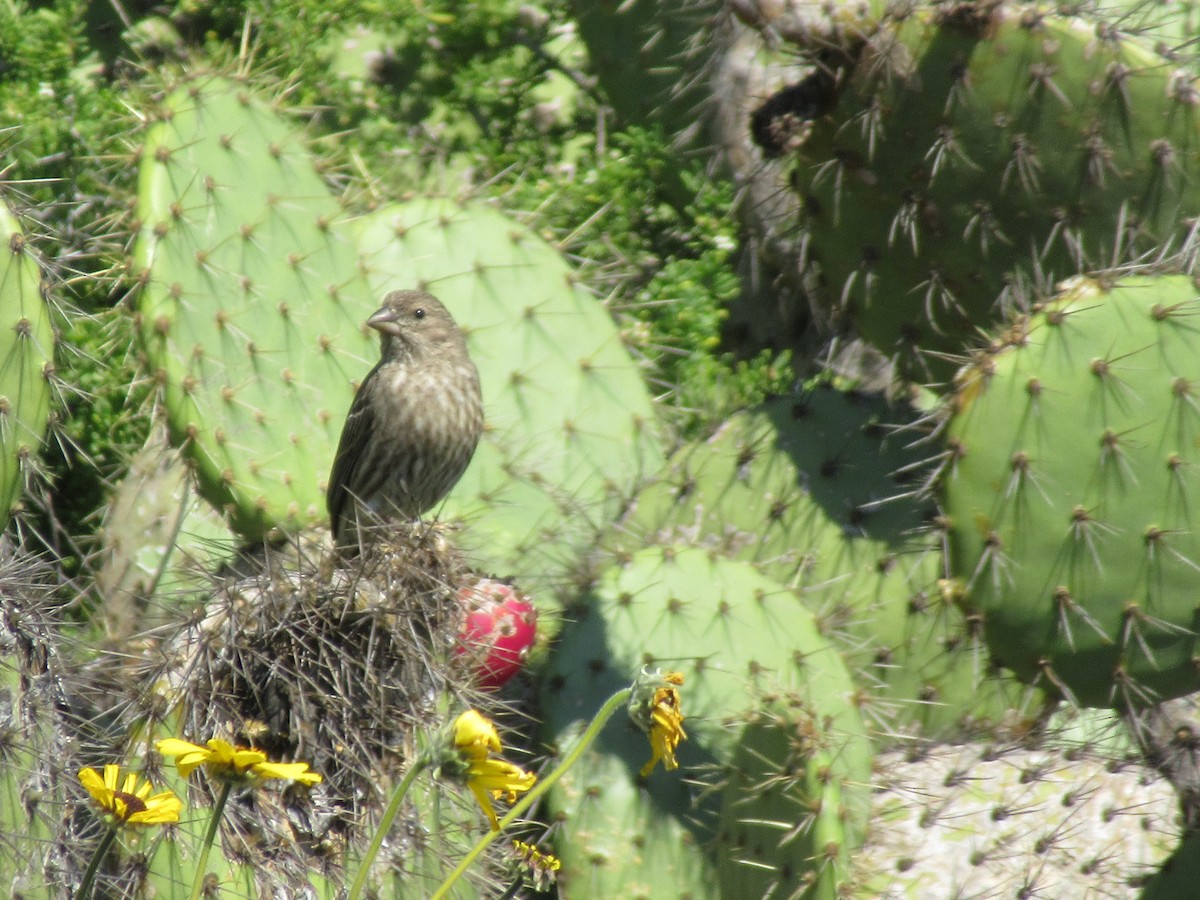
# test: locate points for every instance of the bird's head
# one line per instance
(411, 321)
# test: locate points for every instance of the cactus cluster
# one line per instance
(813, 489)
(961, 159)
(885, 642)
(256, 285)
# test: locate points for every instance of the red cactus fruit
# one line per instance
(498, 630)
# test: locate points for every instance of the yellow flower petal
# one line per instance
(94, 784)
(294, 771)
(500, 776)
(187, 755)
(475, 736)
(177, 747)
(161, 809)
(483, 798)
(497, 778)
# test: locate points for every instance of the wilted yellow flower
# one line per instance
(475, 738)
(224, 760)
(655, 707)
(542, 867)
(130, 803)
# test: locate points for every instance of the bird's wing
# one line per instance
(350, 451)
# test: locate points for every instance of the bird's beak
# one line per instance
(384, 320)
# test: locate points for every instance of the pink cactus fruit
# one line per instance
(499, 628)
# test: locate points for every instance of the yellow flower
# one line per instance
(227, 761)
(656, 708)
(131, 803)
(475, 738)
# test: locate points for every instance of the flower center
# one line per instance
(133, 803)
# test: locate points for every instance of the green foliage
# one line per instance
(683, 309)
(58, 114)
(41, 48)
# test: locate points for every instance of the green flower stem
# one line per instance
(615, 702)
(210, 837)
(385, 825)
(89, 877)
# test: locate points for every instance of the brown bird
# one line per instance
(414, 423)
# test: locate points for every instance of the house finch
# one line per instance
(414, 422)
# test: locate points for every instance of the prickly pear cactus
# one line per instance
(745, 646)
(971, 154)
(252, 307)
(26, 360)
(777, 784)
(570, 423)
(46, 724)
(158, 541)
(651, 59)
(1072, 514)
(1012, 822)
(815, 490)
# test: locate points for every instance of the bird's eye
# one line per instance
(419, 312)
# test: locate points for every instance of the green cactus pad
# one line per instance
(778, 788)
(650, 58)
(975, 153)
(815, 490)
(1068, 489)
(252, 307)
(570, 424)
(739, 639)
(26, 361)
(158, 541)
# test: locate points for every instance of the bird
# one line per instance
(414, 424)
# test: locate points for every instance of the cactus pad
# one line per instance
(252, 307)
(813, 489)
(1072, 509)
(26, 360)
